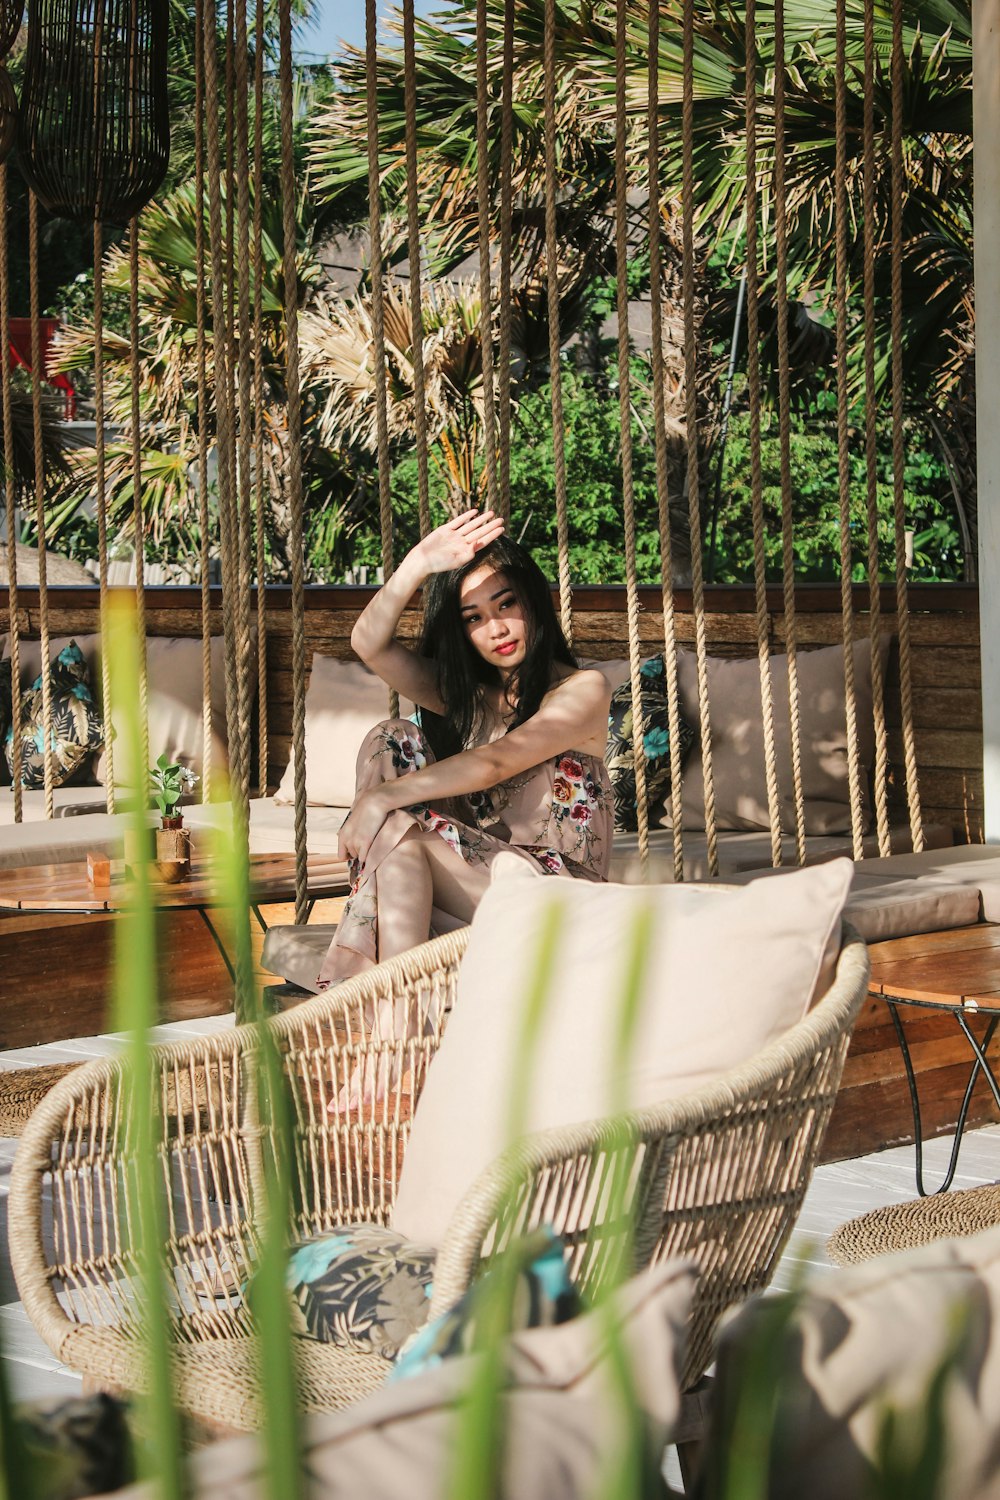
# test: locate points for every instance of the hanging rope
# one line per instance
(258, 399)
(294, 472)
(843, 456)
(138, 516)
(784, 433)
(691, 423)
(102, 509)
(244, 478)
(36, 419)
(202, 398)
(881, 769)
(485, 288)
(899, 516)
(10, 508)
(552, 287)
(756, 476)
(416, 278)
(506, 249)
(625, 420)
(223, 401)
(660, 435)
(378, 305)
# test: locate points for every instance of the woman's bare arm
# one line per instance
(374, 635)
(573, 716)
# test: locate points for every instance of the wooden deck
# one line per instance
(840, 1191)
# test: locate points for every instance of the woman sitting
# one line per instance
(509, 754)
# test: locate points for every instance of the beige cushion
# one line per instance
(872, 1337)
(560, 1422)
(738, 739)
(883, 907)
(343, 702)
(728, 971)
(173, 671)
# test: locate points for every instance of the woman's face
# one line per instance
(493, 618)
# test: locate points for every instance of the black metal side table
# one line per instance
(962, 1009)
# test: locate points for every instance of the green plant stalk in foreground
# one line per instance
(264, 1092)
(160, 1454)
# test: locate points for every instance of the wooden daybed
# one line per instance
(874, 1107)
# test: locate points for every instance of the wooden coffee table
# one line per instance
(955, 972)
(63, 889)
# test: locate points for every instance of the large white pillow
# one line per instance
(343, 702)
(729, 970)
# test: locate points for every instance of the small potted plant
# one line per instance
(168, 783)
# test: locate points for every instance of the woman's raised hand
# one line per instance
(456, 542)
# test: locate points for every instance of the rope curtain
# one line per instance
(761, 618)
(201, 358)
(416, 278)
(899, 519)
(843, 455)
(625, 419)
(260, 494)
(102, 507)
(293, 473)
(881, 765)
(785, 433)
(552, 290)
(39, 461)
(10, 507)
(506, 250)
(229, 312)
(379, 372)
(691, 431)
(660, 436)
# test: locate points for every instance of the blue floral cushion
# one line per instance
(77, 726)
(619, 755)
(363, 1287)
(541, 1296)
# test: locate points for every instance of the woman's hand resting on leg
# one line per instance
(358, 832)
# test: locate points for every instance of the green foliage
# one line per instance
(929, 506)
(594, 492)
(168, 781)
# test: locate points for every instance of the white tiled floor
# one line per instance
(838, 1192)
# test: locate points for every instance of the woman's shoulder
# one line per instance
(589, 681)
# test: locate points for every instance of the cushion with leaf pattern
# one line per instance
(77, 727)
(619, 755)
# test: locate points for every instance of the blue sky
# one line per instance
(344, 20)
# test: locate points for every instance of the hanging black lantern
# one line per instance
(93, 132)
(8, 114)
(11, 16)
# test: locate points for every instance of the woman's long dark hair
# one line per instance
(463, 675)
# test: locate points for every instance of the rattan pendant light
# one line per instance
(94, 128)
(11, 16)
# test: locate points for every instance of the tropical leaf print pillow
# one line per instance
(656, 743)
(77, 727)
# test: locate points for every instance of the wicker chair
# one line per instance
(718, 1176)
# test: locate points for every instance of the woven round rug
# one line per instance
(920, 1221)
(23, 1089)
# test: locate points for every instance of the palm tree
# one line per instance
(937, 332)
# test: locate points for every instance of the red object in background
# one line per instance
(20, 354)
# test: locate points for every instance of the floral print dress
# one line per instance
(559, 815)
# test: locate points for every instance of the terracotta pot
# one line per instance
(173, 850)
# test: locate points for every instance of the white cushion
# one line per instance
(558, 1422)
(343, 702)
(728, 970)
